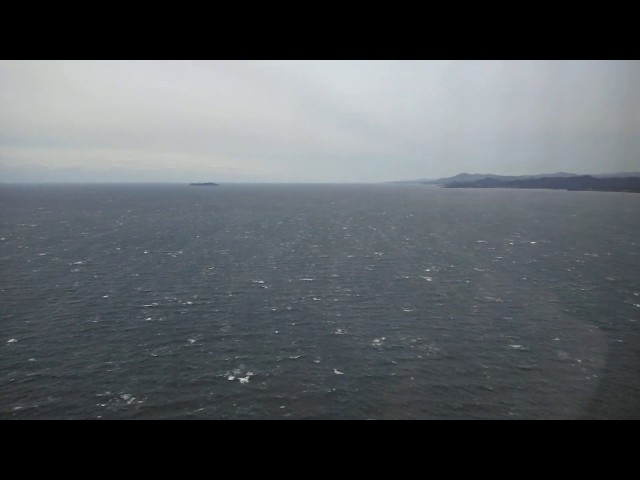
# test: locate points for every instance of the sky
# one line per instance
(314, 121)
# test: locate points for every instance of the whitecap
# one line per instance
(428, 279)
(127, 397)
(12, 340)
(244, 379)
(494, 299)
(337, 372)
(516, 347)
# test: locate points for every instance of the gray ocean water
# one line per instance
(318, 302)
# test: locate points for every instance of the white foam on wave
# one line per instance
(337, 372)
(127, 397)
(237, 375)
(339, 331)
(12, 340)
(494, 299)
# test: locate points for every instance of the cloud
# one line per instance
(318, 120)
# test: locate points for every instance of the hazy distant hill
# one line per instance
(475, 177)
(581, 182)
(618, 174)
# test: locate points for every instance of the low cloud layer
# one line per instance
(316, 121)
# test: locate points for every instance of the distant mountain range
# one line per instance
(608, 182)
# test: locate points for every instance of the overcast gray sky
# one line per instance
(314, 121)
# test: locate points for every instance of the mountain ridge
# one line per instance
(474, 177)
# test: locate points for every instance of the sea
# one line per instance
(318, 302)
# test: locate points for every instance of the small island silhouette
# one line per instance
(204, 184)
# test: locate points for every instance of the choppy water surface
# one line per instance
(318, 302)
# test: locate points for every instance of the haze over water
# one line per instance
(318, 302)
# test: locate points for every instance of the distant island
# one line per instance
(613, 182)
(205, 184)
